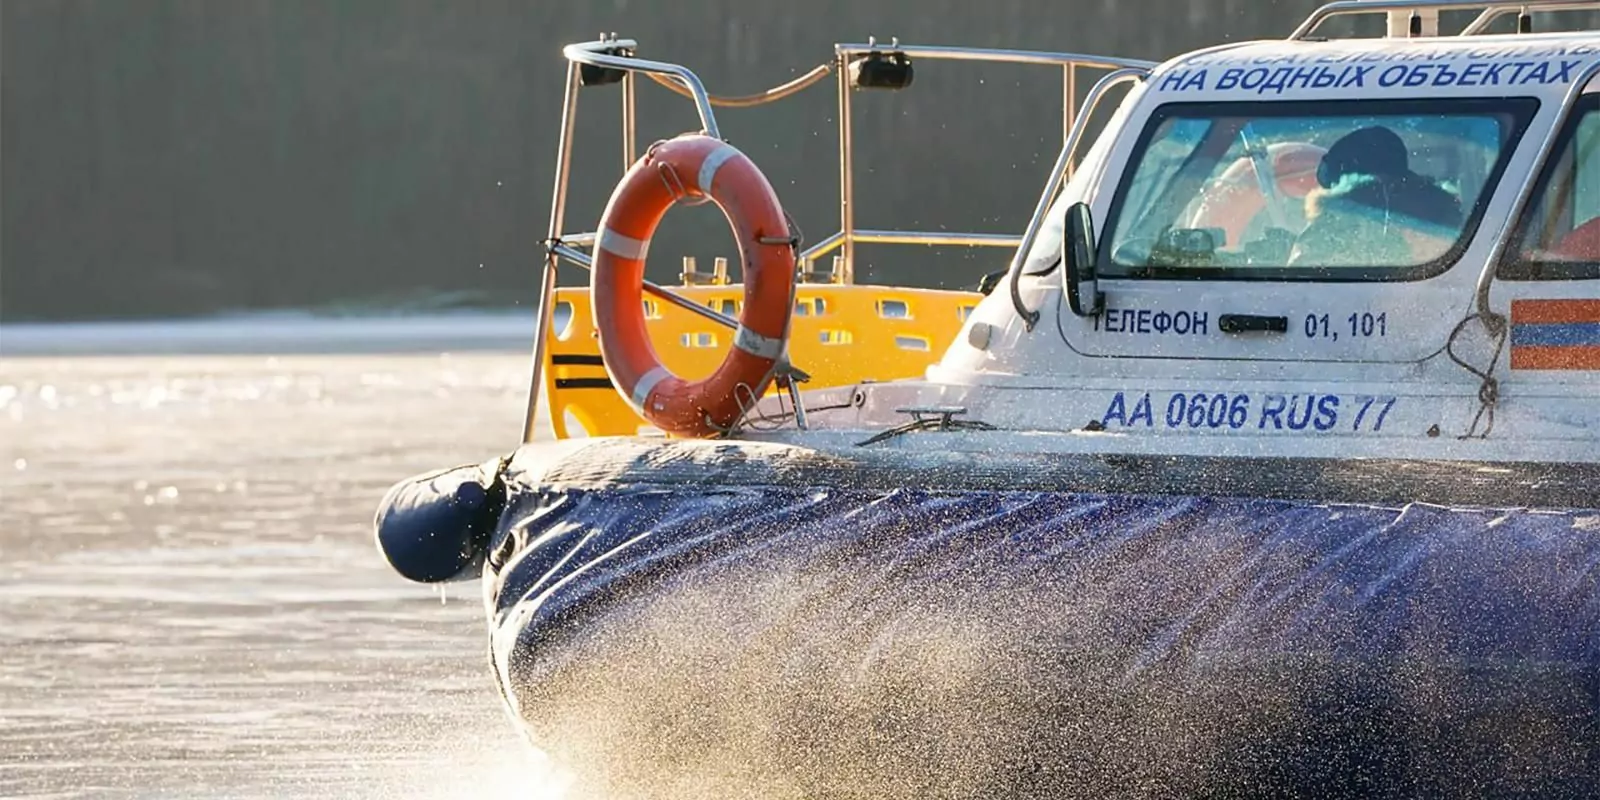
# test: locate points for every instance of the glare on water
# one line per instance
(192, 603)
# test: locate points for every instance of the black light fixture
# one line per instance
(882, 70)
(591, 75)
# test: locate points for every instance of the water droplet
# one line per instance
(21, 464)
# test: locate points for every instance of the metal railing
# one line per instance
(605, 54)
(1057, 174)
(1490, 15)
(1489, 11)
(617, 55)
(1069, 63)
(608, 53)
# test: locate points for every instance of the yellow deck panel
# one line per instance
(841, 334)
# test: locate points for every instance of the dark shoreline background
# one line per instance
(167, 158)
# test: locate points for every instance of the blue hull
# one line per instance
(1052, 644)
(732, 637)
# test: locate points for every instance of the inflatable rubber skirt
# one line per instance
(713, 619)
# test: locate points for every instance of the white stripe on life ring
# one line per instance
(642, 389)
(714, 161)
(757, 345)
(622, 246)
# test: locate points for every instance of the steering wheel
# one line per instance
(1135, 251)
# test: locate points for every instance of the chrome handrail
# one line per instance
(1489, 15)
(1057, 173)
(844, 53)
(594, 54)
(993, 55)
(610, 52)
(597, 54)
(558, 210)
(1353, 7)
(772, 95)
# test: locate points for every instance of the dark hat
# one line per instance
(1369, 151)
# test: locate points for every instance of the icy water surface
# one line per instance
(192, 602)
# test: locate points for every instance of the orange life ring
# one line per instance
(692, 166)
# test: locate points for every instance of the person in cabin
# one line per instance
(1371, 210)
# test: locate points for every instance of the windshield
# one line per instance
(1327, 191)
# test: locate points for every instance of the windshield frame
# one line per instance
(1044, 257)
(1521, 111)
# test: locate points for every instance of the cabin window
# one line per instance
(1559, 237)
(894, 309)
(1327, 191)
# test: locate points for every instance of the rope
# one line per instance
(1489, 389)
(753, 404)
(772, 95)
(797, 237)
(751, 415)
(764, 422)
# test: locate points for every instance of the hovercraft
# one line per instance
(1270, 467)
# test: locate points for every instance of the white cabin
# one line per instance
(1384, 247)
(1429, 286)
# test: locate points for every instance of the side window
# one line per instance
(1559, 237)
